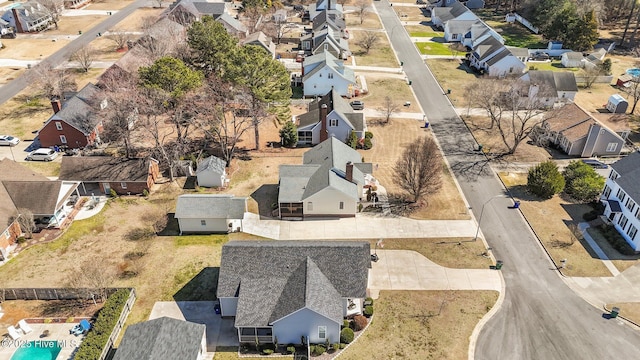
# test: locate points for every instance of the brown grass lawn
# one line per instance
(134, 21)
(422, 325)
(380, 55)
(382, 85)
(106, 49)
(410, 13)
(550, 220)
(45, 168)
(70, 25)
(630, 311)
(444, 251)
(20, 118)
(8, 74)
(371, 21)
(621, 262)
(109, 5)
(452, 74)
(31, 49)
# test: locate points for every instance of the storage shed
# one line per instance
(624, 81)
(572, 59)
(212, 172)
(617, 104)
(207, 213)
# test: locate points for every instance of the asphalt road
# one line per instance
(12, 88)
(540, 318)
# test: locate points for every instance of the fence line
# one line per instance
(119, 325)
(53, 293)
(515, 17)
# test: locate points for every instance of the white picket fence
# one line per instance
(515, 17)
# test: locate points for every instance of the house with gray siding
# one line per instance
(558, 86)
(288, 290)
(329, 183)
(163, 338)
(577, 133)
(210, 213)
(330, 116)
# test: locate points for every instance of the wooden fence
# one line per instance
(119, 325)
(53, 293)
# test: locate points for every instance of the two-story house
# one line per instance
(323, 72)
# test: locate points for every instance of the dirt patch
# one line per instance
(371, 21)
(9, 74)
(31, 49)
(422, 325)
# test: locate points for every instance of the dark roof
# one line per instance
(554, 80)
(449, 13)
(487, 47)
(209, 206)
(281, 277)
(629, 170)
(163, 338)
(331, 18)
(40, 197)
(104, 168)
(615, 206)
(214, 9)
(11, 170)
(79, 110)
(7, 208)
(334, 101)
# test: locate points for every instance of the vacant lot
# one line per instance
(31, 49)
(422, 325)
(410, 13)
(455, 253)
(383, 85)
(454, 75)
(380, 54)
(370, 20)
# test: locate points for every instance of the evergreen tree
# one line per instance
(289, 134)
(544, 180)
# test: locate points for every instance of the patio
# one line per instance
(57, 332)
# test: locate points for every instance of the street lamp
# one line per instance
(482, 212)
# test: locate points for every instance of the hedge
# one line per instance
(346, 335)
(96, 339)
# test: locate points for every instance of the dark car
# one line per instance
(357, 105)
(298, 7)
(540, 56)
(595, 164)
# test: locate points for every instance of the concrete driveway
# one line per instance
(17, 153)
(220, 332)
(409, 270)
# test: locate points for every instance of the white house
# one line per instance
(285, 290)
(440, 15)
(480, 32)
(495, 60)
(26, 17)
(323, 72)
(558, 86)
(212, 172)
(621, 197)
(208, 213)
(572, 59)
(329, 116)
(456, 30)
(329, 183)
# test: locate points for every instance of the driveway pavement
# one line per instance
(363, 226)
(220, 332)
(409, 270)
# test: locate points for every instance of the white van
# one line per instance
(42, 154)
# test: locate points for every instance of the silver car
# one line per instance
(42, 154)
(8, 140)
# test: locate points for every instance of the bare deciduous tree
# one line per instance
(54, 8)
(158, 3)
(634, 91)
(277, 29)
(121, 113)
(367, 41)
(84, 57)
(389, 107)
(591, 75)
(148, 21)
(53, 82)
(121, 38)
(362, 7)
(24, 217)
(93, 276)
(419, 169)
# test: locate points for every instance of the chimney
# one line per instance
(55, 104)
(324, 133)
(350, 171)
(16, 18)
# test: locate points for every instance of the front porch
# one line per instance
(262, 335)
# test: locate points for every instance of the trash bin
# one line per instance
(401, 63)
(614, 312)
(516, 204)
(480, 147)
(79, 32)
(448, 91)
(498, 264)
(409, 82)
(216, 308)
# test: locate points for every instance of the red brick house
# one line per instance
(101, 174)
(75, 122)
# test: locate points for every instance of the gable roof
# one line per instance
(209, 206)
(334, 101)
(573, 55)
(555, 80)
(281, 277)
(487, 47)
(597, 55)
(7, 208)
(40, 197)
(460, 26)
(325, 58)
(212, 164)
(449, 13)
(629, 170)
(162, 338)
(232, 22)
(11, 170)
(331, 18)
(104, 168)
(79, 111)
(566, 117)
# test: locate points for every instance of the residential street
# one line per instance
(14, 87)
(541, 317)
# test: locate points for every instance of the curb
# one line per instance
(473, 339)
(622, 317)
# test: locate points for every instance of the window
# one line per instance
(621, 194)
(341, 205)
(510, 70)
(322, 332)
(58, 125)
(123, 185)
(203, 222)
(611, 147)
(454, 37)
(632, 232)
(63, 139)
(333, 122)
(606, 192)
(630, 204)
(305, 136)
(309, 206)
(264, 331)
(613, 175)
(622, 221)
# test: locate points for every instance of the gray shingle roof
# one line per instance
(487, 47)
(460, 26)
(209, 206)
(573, 55)
(554, 80)
(334, 101)
(163, 338)
(331, 18)
(214, 9)
(449, 13)
(233, 22)
(40, 197)
(104, 168)
(79, 110)
(629, 170)
(293, 181)
(280, 277)
(213, 164)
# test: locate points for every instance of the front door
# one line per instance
(107, 188)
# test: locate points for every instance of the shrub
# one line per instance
(343, 345)
(267, 351)
(591, 215)
(319, 350)
(335, 347)
(367, 144)
(96, 339)
(345, 324)
(582, 182)
(145, 193)
(21, 240)
(616, 240)
(352, 140)
(140, 233)
(289, 134)
(359, 322)
(369, 301)
(113, 193)
(312, 349)
(291, 348)
(368, 135)
(346, 335)
(368, 311)
(544, 180)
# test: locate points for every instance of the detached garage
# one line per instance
(204, 213)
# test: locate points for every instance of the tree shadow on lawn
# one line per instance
(266, 195)
(201, 287)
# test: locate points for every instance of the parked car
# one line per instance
(357, 105)
(42, 154)
(539, 56)
(8, 140)
(595, 164)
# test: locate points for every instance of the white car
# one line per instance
(9, 140)
(42, 154)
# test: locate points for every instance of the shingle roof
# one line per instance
(293, 181)
(40, 197)
(573, 55)
(519, 52)
(233, 22)
(460, 26)
(449, 13)
(7, 208)
(79, 110)
(567, 116)
(487, 47)
(162, 338)
(334, 101)
(213, 164)
(326, 58)
(328, 18)
(499, 56)
(210, 8)
(629, 170)
(554, 80)
(11, 170)
(104, 168)
(209, 206)
(280, 277)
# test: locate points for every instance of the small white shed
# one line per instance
(572, 59)
(208, 213)
(212, 172)
(617, 104)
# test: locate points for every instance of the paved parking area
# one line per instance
(409, 270)
(17, 153)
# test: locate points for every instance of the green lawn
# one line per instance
(433, 48)
(554, 65)
(428, 34)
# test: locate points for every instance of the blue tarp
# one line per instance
(84, 325)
